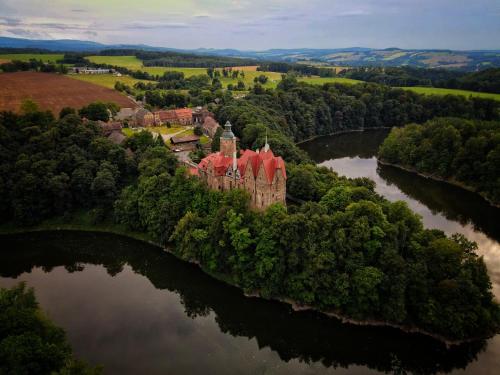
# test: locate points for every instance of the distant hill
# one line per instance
(355, 56)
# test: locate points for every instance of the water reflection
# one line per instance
(441, 206)
(151, 313)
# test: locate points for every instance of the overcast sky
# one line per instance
(260, 24)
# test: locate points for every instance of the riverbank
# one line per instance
(440, 179)
(80, 222)
(344, 132)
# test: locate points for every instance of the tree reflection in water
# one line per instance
(307, 336)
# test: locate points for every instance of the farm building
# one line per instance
(124, 114)
(183, 116)
(86, 70)
(200, 114)
(144, 118)
(209, 127)
(109, 127)
(186, 139)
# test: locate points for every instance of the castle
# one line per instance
(260, 173)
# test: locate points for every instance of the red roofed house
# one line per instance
(259, 172)
(183, 116)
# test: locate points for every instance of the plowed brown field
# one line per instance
(53, 92)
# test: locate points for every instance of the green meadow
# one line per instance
(106, 80)
(129, 62)
(438, 91)
(323, 80)
(45, 57)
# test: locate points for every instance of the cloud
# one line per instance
(156, 25)
(24, 33)
(7, 21)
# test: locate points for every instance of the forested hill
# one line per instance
(460, 151)
(355, 56)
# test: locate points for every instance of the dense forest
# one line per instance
(463, 151)
(304, 69)
(151, 58)
(345, 249)
(487, 80)
(29, 342)
(298, 111)
(32, 65)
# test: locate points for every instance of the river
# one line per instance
(136, 309)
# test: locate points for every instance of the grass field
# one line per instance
(106, 80)
(48, 57)
(129, 62)
(323, 80)
(438, 91)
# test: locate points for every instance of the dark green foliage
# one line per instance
(67, 111)
(32, 64)
(154, 58)
(487, 80)
(466, 151)
(29, 342)
(176, 81)
(95, 111)
(345, 249)
(49, 167)
(299, 111)
(166, 99)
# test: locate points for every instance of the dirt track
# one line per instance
(53, 92)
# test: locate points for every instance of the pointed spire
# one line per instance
(266, 145)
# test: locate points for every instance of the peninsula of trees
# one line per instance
(459, 151)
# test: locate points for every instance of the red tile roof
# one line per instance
(184, 113)
(269, 162)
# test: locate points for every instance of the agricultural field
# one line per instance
(133, 63)
(129, 62)
(53, 92)
(45, 57)
(438, 91)
(323, 80)
(274, 79)
(107, 80)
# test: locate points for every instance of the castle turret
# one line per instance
(228, 141)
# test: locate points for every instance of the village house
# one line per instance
(110, 127)
(181, 116)
(209, 127)
(184, 116)
(200, 114)
(124, 114)
(144, 118)
(260, 173)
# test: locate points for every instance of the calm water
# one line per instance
(136, 309)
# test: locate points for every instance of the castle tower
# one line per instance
(228, 141)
